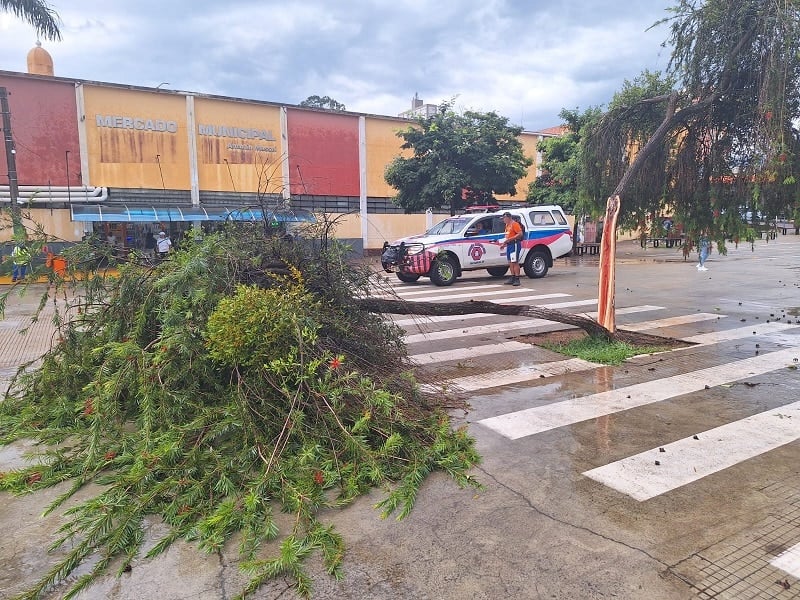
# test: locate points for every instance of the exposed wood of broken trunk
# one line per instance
(606, 299)
(402, 307)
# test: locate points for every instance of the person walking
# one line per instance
(163, 244)
(21, 257)
(512, 244)
(703, 248)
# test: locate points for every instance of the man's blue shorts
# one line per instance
(512, 251)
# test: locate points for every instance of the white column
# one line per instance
(285, 190)
(191, 131)
(362, 180)
(83, 144)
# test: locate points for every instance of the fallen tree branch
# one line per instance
(402, 307)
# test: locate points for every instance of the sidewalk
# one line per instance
(22, 340)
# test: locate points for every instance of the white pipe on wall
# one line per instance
(42, 193)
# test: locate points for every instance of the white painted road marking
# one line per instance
(680, 320)
(715, 337)
(527, 373)
(689, 459)
(531, 421)
(467, 353)
(445, 318)
(448, 334)
(428, 290)
(788, 561)
(470, 295)
(517, 375)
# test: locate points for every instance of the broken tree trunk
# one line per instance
(608, 252)
(401, 307)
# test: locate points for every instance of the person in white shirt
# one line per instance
(163, 244)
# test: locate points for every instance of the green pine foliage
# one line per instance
(231, 381)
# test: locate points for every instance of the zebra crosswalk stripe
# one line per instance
(679, 320)
(467, 353)
(532, 323)
(715, 337)
(445, 318)
(471, 295)
(516, 375)
(535, 420)
(404, 293)
(655, 472)
(522, 374)
(788, 561)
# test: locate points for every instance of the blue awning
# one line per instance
(167, 214)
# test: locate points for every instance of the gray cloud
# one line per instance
(524, 61)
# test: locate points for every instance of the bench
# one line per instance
(765, 229)
(587, 248)
(669, 242)
(784, 226)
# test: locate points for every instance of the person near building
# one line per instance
(149, 244)
(703, 247)
(163, 244)
(21, 258)
(512, 244)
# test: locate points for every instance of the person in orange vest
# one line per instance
(513, 245)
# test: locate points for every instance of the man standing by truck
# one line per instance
(513, 245)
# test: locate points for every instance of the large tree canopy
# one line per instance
(325, 102)
(457, 159)
(725, 115)
(560, 166)
(722, 140)
(36, 12)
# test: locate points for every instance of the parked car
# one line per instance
(471, 242)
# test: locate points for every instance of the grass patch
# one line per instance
(600, 351)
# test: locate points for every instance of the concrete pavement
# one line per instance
(544, 527)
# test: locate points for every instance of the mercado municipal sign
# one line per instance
(244, 133)
(241, 133)
(220, 131)
(135, 123)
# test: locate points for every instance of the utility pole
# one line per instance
(11, 159)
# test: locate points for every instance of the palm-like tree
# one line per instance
(36, 12)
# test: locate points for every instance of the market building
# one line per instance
(128, 161)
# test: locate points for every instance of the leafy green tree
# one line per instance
(561, 168)
(325, 102)
(37, 13)
(600, 174)
(722, 138)
(458, 159)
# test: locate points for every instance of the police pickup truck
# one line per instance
(472, 241)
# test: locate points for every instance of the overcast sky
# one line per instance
(524, 59)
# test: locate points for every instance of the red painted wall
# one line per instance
(323, 153)
(44, 124)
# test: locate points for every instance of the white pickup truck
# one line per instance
(472, 241)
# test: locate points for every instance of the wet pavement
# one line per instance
(575, 505)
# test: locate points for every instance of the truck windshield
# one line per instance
(454, 225)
